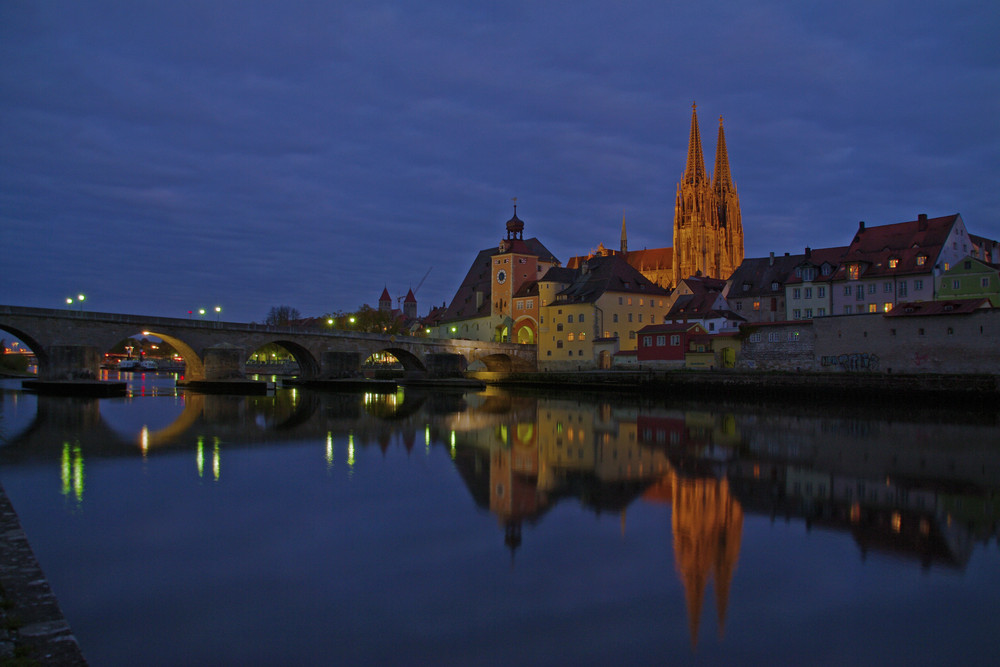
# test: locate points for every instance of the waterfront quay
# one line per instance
(883, 388)
(33, 630)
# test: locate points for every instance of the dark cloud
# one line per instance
(167, 156)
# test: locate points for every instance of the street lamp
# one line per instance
(80, 299)
(201, 312)
(218, 311)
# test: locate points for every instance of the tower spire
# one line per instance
(624, 246)
(722, 180)
(694, 171)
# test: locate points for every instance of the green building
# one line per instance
(970, 278)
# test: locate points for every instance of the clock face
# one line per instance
(501, 276)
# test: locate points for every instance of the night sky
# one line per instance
(165, 156)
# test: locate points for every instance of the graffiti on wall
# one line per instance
(857, 361)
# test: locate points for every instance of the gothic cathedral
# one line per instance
(708, 232)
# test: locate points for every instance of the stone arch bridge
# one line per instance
(70, 345)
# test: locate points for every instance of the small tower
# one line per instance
(624, 247)
(410, 305)
(385, 301)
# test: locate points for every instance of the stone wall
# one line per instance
(781, 347)
(963, 343)
(875, 343)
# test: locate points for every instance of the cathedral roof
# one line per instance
(385, 295)
(409, 297)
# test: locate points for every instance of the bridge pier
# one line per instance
(444, 365)
(71, 362)
(224, 362)
(340, 365)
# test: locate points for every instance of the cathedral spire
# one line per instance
(624, 235)
(694, 171)
(722, 180)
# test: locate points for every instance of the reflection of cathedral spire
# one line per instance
(707, 525)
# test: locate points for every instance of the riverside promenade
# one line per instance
(33, 630)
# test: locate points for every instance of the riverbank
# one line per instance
(33, 630)
(966, 390)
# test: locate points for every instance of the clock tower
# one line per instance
(513, 265)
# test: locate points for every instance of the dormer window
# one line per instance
(893, 262)
(853, 271)
(921, 260)
(827, 269)
(808, 273)
(746, 287)
(774, 286)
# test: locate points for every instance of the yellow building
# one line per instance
(605, 298)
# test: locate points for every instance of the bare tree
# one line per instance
(281, 316)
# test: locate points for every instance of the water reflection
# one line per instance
(917, 487)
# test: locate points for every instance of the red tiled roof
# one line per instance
(950, 307)
(874, 247)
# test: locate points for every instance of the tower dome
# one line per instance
(515, 226)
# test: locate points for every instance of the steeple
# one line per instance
(694, 171)
(624, 235)
(722, 181)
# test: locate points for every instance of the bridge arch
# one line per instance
(412, 364)
(30, 341)
(193, 364)
(309, 366)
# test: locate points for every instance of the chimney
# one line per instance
(861, 226)
(922, 222)
(771, 261)
(809, 252)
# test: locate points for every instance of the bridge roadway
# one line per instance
(70, 345)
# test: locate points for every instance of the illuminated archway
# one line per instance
(308, 365)
(17, 355)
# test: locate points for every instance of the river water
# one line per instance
(489, 528)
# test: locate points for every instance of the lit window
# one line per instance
(872, 307)
(569, 336)
(921, 259)
(853, 271)
(893, 263)
(886, 307)
(756, 305)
